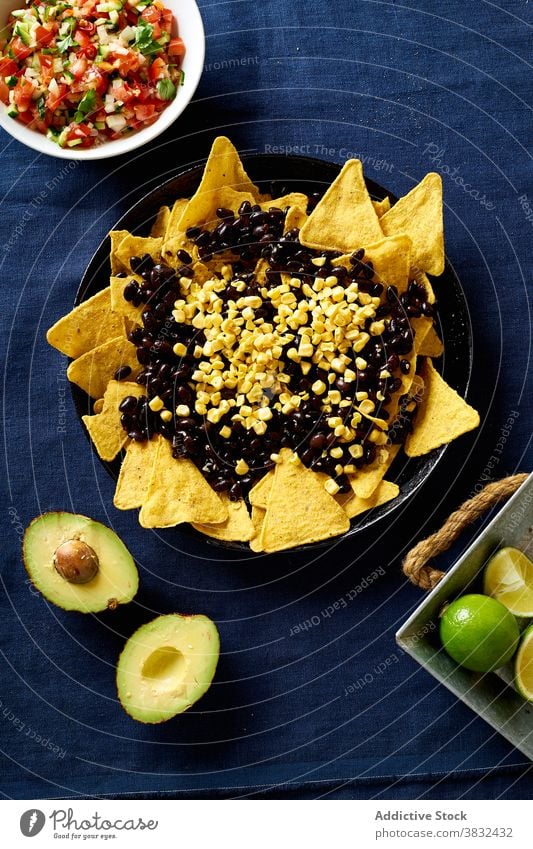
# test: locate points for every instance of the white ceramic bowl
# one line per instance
(191, 29)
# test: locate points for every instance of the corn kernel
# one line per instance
(331, 486)
(166, 415)
(318, 387)
(355, 451)
(156, 404)
(225, 432)
(241, 467)
(336, 452)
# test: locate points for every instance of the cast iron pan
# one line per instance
(277, 175)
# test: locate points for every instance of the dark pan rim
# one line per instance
(457, 336)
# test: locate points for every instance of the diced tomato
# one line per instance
(19, 49)
(80, 131)
(54, 100)
(176, 47)
(158, 69)
(156, 31)
(4, 92)
(83, 38)
(126, 62)
(44, 36)
(23, 94)
(94, 78)
(7, 66)
(47, 68)
(166, 19)
(143, 112)
(151, 14)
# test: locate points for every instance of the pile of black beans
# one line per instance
(249, 235)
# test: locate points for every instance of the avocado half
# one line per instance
(78, 563)
(166, 666)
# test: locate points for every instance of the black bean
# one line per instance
(122, 373)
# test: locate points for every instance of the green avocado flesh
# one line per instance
(166, 666)
(115, 582)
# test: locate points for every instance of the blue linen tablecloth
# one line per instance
(334, 709)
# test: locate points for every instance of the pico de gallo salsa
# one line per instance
(85, 72)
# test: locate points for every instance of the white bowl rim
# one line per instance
(37, 141)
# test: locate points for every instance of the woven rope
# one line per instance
(417, 564)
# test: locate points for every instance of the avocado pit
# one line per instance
(76, 561)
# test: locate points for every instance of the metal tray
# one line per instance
(492, 696)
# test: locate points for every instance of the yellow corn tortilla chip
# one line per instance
(93, 370)
(381, 206)
(299, 509)
(431, 344)
(421, 278)
(354, 506)
(295, 218)
(258, 495)
(98, 405)
(366, 480)
(86, 326)
(421, 327)
(223, 170)
(173, 238)
(442, 415)
(237, 527)
(159, 227)
(105, 430)
(419, 215)
(137, 246)
(178, 492)
(344, 219)
(201, 209)
(116, 237)
(297, 199)
(258, 518)
(120, 305)
(391, 258)
(135, 474)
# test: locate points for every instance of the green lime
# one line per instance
(479, 632)
(509, 578)
(524, 665)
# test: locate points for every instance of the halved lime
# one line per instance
(509, 578)
(479, 632)
(524, 665)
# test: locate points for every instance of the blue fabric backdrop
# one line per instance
(410, 87)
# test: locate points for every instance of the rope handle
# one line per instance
(417, 563)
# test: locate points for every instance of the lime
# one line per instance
(479, 632)
(509, 578)
(524, 665)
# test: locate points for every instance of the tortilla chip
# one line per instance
(381, 206)
(421, 326)
(160, 224)
(258, 495)
(178, 492)
(391, 258)
(299, 509)
(116, 237)
(93, 370)
(354, 506)
(419, 216)
(105, 430)
(442, 416)
(120, 305)
(175, 239)
(344, 219)
(98, 405)
(137, 246)
(283, 201)
(295, 218)
(366, 480)
(135, 474)
(86, 326)
(237, 527)
(431, 344)
(258, 519)
(223, 170)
